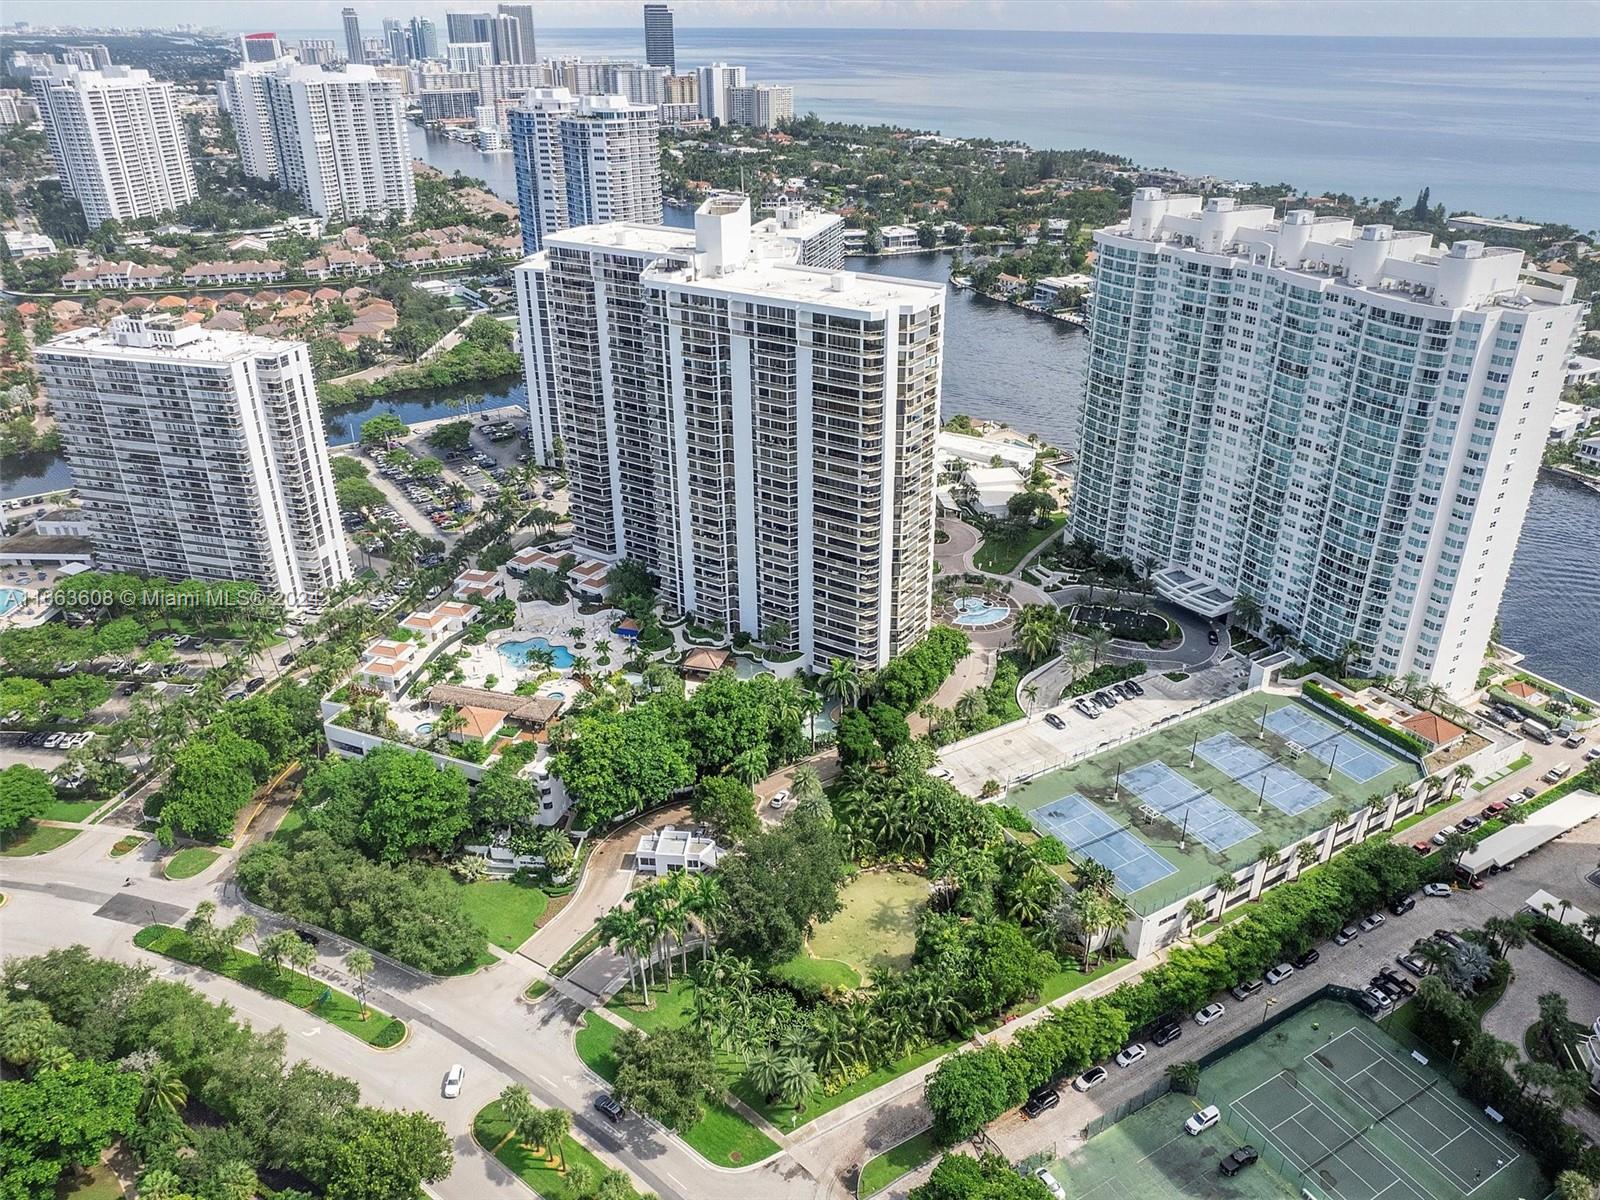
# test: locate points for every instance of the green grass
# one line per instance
(507, 912)
(884, 1169)
(1000, 555)
(126, 844)
(189, 862)
(340, 1008)
(39, 839)
(98, 1183)
(576, 953)
(490, 1129)
(721, 1136)
(539, 987)
(1064, 981)
(293, 821)
(1196, 864)
(875, 929)
(805, 971)
(70, 810)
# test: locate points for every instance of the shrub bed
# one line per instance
(1103, 676)
(1407, 741)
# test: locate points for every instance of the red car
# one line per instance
(1422, 847)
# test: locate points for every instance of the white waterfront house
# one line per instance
(673, 849)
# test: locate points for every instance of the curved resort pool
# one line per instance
(975, 613)
(518, 652)
(10, 599)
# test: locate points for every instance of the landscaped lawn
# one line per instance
(533, 1168)
(70, 810)
(1000, 555)
(883, 1170)
(98, 1183)
(339, 1008)
(504, 910)
(131, 841)
(804, 970)
(875, 929)
(722, 1135)
(293, 821)
(189, 862)
(40, 839)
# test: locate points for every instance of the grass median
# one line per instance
(896, 1163)
(548, 1177)
(189, 862)
(39, 839)
(337, 1008)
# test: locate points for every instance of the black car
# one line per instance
(1041, 1101)
(256, 684)
(1367, 1004)
(1241, 1158)
(1167, 1032)
(1306, 959)
(1402, 906)
(307, 937)
(1054, 721)
(1211, 636)
(1395, 979)
(1389, 989)
(609, 1107)
(1136, 687)
(287, 660)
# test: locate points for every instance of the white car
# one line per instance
(1436, 889)
(1438, 839)
(1209, 1014)
(1055, 1189)
(1131, 1054)
(452, 1081)
(1091, 1077)
(1202, 1120)
(779, 799)
(1280, 972)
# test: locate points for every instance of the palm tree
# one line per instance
(275, 949)
(517, 1107)
(1098, 640)
(1460, 775)
(163, 1091)
(763, 1067)
(300, 954)
(797, 1079)
(1076, 656)
(707, 902)
(1591, 926)
(1185, 1076)
(1246, 610)
(806, 785)
(1193, 913)
(557, 1125)
(623, 929)
(830, 1041)
(749, 766)
(842, 681)
(359, 963)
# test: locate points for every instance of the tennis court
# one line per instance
(1352, 1117)
(1089, 831)
(1349, 754)
(1286, 790)
(1205, 817)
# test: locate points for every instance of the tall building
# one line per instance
(761, 105)
(715, 80)
(681, 89)
(260, 47)
(354, 52)
(340, 141)
(316, 52)
(397, 41)
(462, 27)
(642, 85)
(87, 58)
(505, 38)
(529, 49)
(469, 56)
(424, 38)
(1342, 424)
(243, 94)
(198, 454)
(582, 160)
(756, 433)
(117, 140)
(659, 49)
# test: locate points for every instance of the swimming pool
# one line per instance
(11, 598)
(973, 612)
(518, 652)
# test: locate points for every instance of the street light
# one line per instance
(1267, 1008)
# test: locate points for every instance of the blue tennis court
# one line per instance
(1092, 833)
(1286, 790)
(1208, 819)
(1350, 755)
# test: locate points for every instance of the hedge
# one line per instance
(971, 1089)
(1407, 741)
(1566, 941)
(1542, 715)
(1103, 676)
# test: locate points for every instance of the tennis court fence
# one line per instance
(1128, 1107)
(1276, 1015)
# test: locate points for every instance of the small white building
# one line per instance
(1582, 370)
(674, 849)
(1047, 291)
(28, 245)
(1572, 421)
(479, 585)
(1589, 452)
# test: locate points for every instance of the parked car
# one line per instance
(779, 798)
(1367, 1004)
(1040, 1101)
(306, 936)
(1438, 839)
(452, 1081)
(1402, 906)
(1423, 847)
(1380, 984)
(1211, 636)
(1529, 792)
(1208, 1014)
(1453, 940)
(1279, 973)
(1129, 1055)
(1138, 690)
(1202, 1120)
(609, 1107)
(1243, 991)
(1306, 959)
(255, 684)
(1054, 721)
(1491, 811)
(1412, 963)
(1346, 935)
(1241, 1158)
(1166, 1033)
(1381, 997)
(1468, 823)
(1371, 921)
(1091, 1077)
(1057, 1192)
(1088, 710)
(1442, 890)
(1395, 979)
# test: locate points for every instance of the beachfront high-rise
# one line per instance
(716, 79)
(1342, 424)
(243, 95)
(340, 141)
(353, 49)
(198, 454)
(757, 433)
(584, 160)
(117, 140)
(660, 49)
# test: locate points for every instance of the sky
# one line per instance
(1371, 18)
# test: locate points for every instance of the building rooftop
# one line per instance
(162, 339)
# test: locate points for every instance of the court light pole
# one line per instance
(1261, 798)
(1261, 733)
(1193, 746)
(1267, 1007)
(1332, 758)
